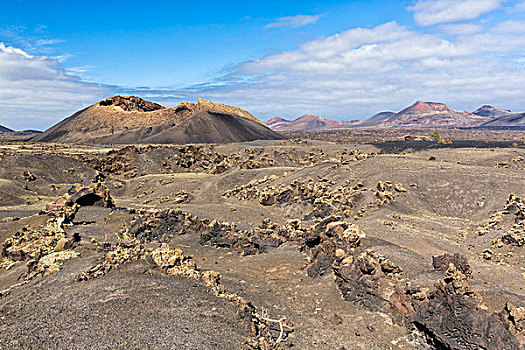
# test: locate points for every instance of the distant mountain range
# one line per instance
(7, 134)
(130, 119)
(426, 114)
(432, 114)
(308, 122)
(4, 129)
(420, 114)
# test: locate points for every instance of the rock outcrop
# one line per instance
(454, 317)
(131, 104)
(80, 195)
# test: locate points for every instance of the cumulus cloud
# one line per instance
(36, 91)
(461, 29)
(293, 21)
(431, 12)
(359, 72)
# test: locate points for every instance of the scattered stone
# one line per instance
(61, 244)
(329, 242)
(515, 319)
(385, 193)
(176, 198)
(99, 177)
(29, 176)
(30, 243)
(322, 196)
(51, 263)
(44, 248)
(174, 262)
(442, 262)
(121, 253)
(399, 188)
(374, 281)
(515, 235)
(160, 225)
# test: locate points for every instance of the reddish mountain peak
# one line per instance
(429, 114)
(310, 117)
(427, 107)
(276, 120)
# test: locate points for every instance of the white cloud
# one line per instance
(461, 29)
(520, 7)
(362, 71)
(509, 27)
(431, 12)
(293, 21)
(44, 42)
(36, 91)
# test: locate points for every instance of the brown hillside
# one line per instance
(130, 119)
(432, 114)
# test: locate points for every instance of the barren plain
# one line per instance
(328, 240)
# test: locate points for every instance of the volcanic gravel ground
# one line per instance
(412, 201)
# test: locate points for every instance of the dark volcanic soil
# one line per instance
(345, 244)
(128, 309)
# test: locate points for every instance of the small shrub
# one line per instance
(434, 136)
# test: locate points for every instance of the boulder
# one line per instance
(453, 317)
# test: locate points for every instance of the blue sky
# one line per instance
(338, 59)
(173, 43)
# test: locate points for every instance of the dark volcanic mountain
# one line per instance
(377, 119)
(4, 129)
(7, 134)
(489, 111)
(508, 120)
(308, 122)
(130, 119)
(277, 122)
(432, 114)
